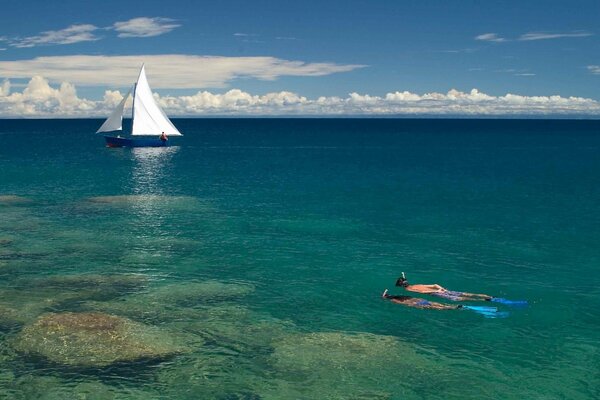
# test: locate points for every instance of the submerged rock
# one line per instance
(33, 297)
(11, 199)
(190, 293)
(148, 204)
(9, 317)
(338, 350)
(177, 301)
(106, 286)
(134, 199)
(94, 340)
(341, 365)
(5, 241)
(123, 199)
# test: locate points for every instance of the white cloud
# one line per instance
(40, 99)
(490, 37)
(70, 35)
(145, 27)
(174, 71)
(594, 69)
(5, 88)
(135, 27)
(545, 36)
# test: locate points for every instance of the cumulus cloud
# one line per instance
(174, 71)
(145, 27)
(40, 99)
(545, 35)
(70, 35)
(490, 37)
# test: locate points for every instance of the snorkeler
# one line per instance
(417, 303)
(488, 312)
(439, 291)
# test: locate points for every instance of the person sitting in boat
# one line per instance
(439, 291)
(163, 137)
(418, 303)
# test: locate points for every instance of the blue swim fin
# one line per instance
(514, 303)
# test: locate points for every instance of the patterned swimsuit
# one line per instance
(449, 294)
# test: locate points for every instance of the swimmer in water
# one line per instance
(439, 291)
(418, 303)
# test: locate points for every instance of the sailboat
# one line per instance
(147, 119)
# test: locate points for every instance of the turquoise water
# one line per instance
(259, 249)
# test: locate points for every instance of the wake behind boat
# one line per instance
(148, 119)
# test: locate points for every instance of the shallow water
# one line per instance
(260, 247)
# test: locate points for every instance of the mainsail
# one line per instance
(148, 117)
(115, 121)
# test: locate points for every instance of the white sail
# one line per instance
(115, 121)
(148, 118)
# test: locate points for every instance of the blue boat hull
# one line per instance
(113, 141)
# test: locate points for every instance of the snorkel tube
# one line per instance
(402, 281)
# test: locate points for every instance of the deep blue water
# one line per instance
(317, 216)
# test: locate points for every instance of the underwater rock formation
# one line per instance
(9, 317)
(206, 291)
(177, 301)
(124, 199)
(104, 286)
(11, 199)
(344, 365)
(94, 340)
(133, 199)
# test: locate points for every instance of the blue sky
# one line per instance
(313, 49)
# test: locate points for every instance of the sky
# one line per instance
(327, 57)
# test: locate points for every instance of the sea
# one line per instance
(247, 260)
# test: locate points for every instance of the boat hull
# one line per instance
(113, 141)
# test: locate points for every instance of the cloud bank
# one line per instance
(40, 99)
(173, 71)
